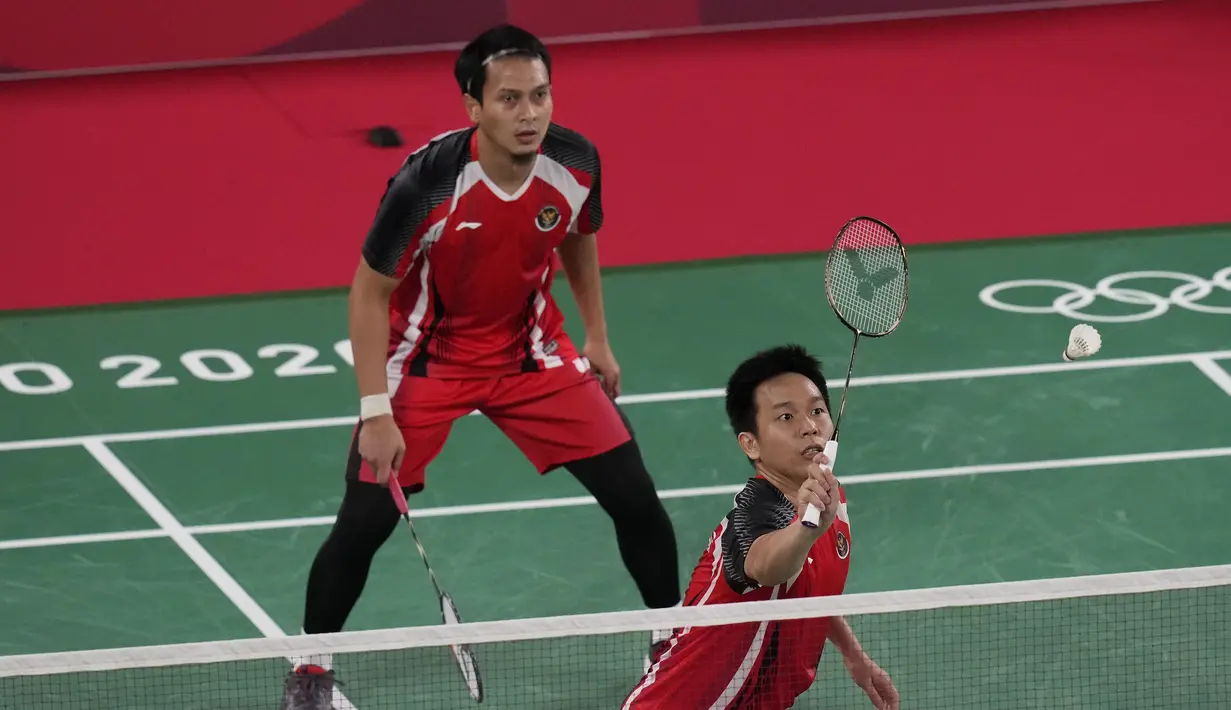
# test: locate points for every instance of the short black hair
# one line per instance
(766, 365)
(501, 41)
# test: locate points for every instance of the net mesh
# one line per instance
(866, 277)
(1142, 640)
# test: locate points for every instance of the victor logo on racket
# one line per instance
(866, 279)
(868, 283)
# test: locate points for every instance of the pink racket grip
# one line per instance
(812, 516)
(398, 496)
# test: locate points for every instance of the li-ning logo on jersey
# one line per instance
(844, 546)
(548, 218)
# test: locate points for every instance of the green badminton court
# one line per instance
(170, 469)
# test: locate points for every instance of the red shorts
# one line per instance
(554, 416)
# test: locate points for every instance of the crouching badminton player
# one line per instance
(778, 406)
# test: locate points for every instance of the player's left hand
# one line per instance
(874, 681)
(604, 364)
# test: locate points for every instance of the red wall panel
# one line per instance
(558, 18)
(66, 36)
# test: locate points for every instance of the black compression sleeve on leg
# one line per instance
(366, 519)
(620, 483)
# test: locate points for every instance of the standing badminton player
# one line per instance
(451, 311)
(778, 405)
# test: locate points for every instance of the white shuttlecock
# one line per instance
(1084, 341)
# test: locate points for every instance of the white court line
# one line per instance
(575, 501)
(684, 395)
(1214, 371)
(84, 539)
(171, 527)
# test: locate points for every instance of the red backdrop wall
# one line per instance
(254, 179)
(66, 35)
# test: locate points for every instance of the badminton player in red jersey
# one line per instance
(451, 311)
(778, 404)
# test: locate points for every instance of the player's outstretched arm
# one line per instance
(867, 675)
(777, 556)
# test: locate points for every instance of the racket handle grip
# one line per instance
(812, 515)
(399, 498)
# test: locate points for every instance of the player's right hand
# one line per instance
(821, 490)
(381, 445)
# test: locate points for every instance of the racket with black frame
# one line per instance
(866, 283)
(448, 610)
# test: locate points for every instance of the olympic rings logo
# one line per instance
(1075, 297)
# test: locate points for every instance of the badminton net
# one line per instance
(1154, 640)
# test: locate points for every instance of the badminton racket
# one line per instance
(448, 610)
(866, 283)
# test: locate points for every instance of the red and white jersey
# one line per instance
(477, 263)
(750, 666)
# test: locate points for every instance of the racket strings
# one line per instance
(867, 278)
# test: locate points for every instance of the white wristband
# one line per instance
(374, 405)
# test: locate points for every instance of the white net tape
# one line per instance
(1152, 639)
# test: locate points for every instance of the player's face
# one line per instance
(516, 109)
(793, 425)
